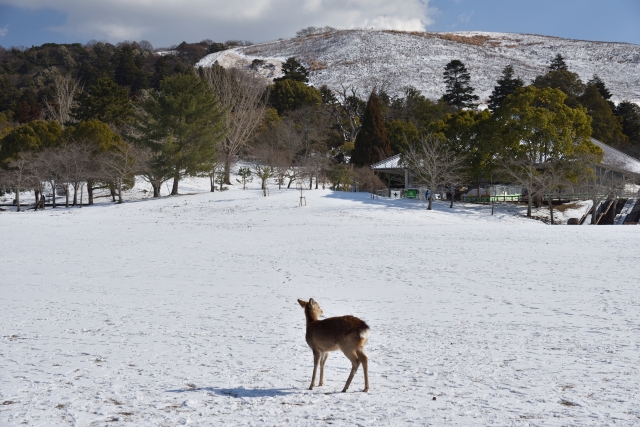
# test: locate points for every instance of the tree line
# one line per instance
(197, 122)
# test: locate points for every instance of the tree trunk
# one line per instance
(18, 197)
(430, 206)
(594, 214)
(311, 182)
(112, 189)
(551, 209)
(81, 194)
(75, 194)
(529, 202)
(290, 181)
(53, 190)
(37, 193)
(119, 191)
(90, 192)
(176, 181)
(212, 179)
(156, 189)
(66, 195)
(316, 181)
(227, 170)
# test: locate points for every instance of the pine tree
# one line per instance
(183, 124)
(602, 88)
(557, 63)
(458, 93)
(507, 84)
(105, 101)
(630, 114)
(606, 126)
(293, 70)
(372, 142)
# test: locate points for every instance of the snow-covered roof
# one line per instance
(389, 163)
(617, 159)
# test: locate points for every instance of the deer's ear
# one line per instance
(312, 302)
(302, 303)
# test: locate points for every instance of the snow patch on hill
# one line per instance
(393, 59)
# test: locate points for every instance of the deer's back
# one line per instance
(329, 334)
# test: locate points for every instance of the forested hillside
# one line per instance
(27, 74)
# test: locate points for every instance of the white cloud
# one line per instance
(170, 21)
(4, 31)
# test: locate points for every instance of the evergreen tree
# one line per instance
(459, 94)
(629, 112)
(372, 142)
(105, 101)
(557, 64)
(507, 84)
(290, 94)
(182, 124)
(606, 127)
(566, 81)
(602, 88)
(293, 70)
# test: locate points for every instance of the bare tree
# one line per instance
(552, 176)
(433, 163)
(264, 158)
(366, 179)
(16, 176)
(65, 88)
(347, 111)
(242, 97)
(78, 166)
(525, 174)
(122, 163)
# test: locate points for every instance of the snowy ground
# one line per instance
(183, 310)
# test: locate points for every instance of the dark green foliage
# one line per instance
(105, 101)
(566, 81)
(372, 143)
(602, 88)
(557, 63)
(162, 71)
(25, 75)
(293, 70)
(289, 94)
(417, 109)
(191, 53)
(507, 84)
(182, 125)
(31, 136)
(606, 127)
(459, 94)
(401, 134)
(629, 112)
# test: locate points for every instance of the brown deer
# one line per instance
(346, 333)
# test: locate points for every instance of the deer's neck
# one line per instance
(310, 318)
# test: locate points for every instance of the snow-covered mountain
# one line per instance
(393, 59)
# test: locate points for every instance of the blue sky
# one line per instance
(165, 22)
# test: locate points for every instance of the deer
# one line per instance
(347, 333)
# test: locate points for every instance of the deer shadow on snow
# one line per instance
(238, 392)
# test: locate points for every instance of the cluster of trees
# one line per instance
(167, 120)
(27, 75)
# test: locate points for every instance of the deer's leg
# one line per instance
(323, 360)
(316, 361)
(353, 357)
(365, 367)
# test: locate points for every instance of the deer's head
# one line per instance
(311, 309)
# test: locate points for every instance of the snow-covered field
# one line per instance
(392, 60)
(182, 311)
